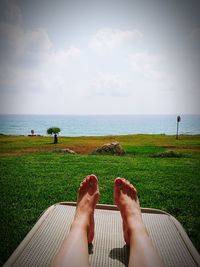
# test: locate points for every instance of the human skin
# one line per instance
(74, 250)
(142, 251)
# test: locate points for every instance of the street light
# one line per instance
(178, 120)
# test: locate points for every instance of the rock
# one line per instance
(67, 151)
(113, 148)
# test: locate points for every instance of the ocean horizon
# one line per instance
(99, 125)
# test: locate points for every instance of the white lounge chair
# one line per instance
(45, 238)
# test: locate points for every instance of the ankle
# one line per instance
(80, 222)
(135, 226)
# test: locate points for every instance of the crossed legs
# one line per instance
(74, 250)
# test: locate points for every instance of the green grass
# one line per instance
(10, 144)
(30, 183)
(143, 150)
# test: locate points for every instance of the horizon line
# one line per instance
(103, 114)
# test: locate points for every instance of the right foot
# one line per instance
(126, 199)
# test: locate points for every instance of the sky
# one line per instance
(99, 57)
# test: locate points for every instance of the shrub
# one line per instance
(167, 154)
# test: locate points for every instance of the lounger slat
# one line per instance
(109, 249)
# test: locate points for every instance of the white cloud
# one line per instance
(11, 45)
(60, 58)
(111, 38)
(148, 65)
(59, 68)
(52, 73)
(37, 41)
(42, 78)
(29, 61)
(21, 47)
(110, 85)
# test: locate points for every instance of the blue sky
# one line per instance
(99, 57)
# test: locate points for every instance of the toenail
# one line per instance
(118, 182)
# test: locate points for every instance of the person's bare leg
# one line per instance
(74, 250)
(142, 251)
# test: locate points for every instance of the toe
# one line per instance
(128, 190)
(134, 193)
(118, 182)
(85, 182)
(127, 184)
(92, 183)
(134, 190)
(118, 185)
(83, 185)
(87, 178)
(117, 188)
(93, 180)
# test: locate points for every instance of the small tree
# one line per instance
(178, 120)
(55, 131)
(32, 132)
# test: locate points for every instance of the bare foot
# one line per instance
(87, 199)
(126, 199)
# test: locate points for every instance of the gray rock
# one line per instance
(67, 151)
(113, 148)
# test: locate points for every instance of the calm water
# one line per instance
(75, 125)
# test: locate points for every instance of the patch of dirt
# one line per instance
(86, 147)
(79, 149)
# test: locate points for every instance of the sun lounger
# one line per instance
(45, 238)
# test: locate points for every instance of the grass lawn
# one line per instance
(34, 177)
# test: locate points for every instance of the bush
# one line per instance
(167, 154)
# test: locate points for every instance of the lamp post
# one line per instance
(178, 120)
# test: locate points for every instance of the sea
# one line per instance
(99, 125)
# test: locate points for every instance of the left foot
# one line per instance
(87, 199)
